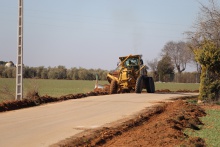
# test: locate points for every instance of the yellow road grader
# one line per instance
(130, 76)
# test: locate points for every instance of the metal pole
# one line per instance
(19, 68)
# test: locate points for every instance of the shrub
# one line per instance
(208, 55)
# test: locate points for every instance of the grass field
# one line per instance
(177, 86)
(58, 88)
(211, 130)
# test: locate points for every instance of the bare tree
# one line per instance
(153, 64)
(207, 26)
(153, 67)
(205, 42)
(179, 53)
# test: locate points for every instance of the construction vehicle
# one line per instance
(130, 76)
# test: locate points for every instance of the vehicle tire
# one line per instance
(150, 87)
(139, 84)
(113, 87)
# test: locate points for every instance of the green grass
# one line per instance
(58, 88)
(49, 87)
(210, 131)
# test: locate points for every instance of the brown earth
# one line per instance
(210, 106)
(161, 125)
(35, 99)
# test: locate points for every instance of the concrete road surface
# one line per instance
(47, 124)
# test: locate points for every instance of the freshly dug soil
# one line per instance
(210, 106)
(38, 100)
(157, 126)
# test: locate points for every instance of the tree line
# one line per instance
(171, 65)
(59, 72)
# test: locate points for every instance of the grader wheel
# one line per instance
(113, 87)
(139, 84)
(150, 87)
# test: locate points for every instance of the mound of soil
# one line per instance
(186, 90)
(38, 100)
(180, 90)
(161, 125)
(163, 90)
(210, 106)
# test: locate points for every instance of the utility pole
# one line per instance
(19, 68)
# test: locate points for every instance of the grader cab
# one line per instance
(130, 75)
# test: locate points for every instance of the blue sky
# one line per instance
(93, 33)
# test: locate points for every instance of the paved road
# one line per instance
(50, 123)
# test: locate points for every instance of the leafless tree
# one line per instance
(153, 64)
(207, 25)
(180, 54)
(153, 67)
